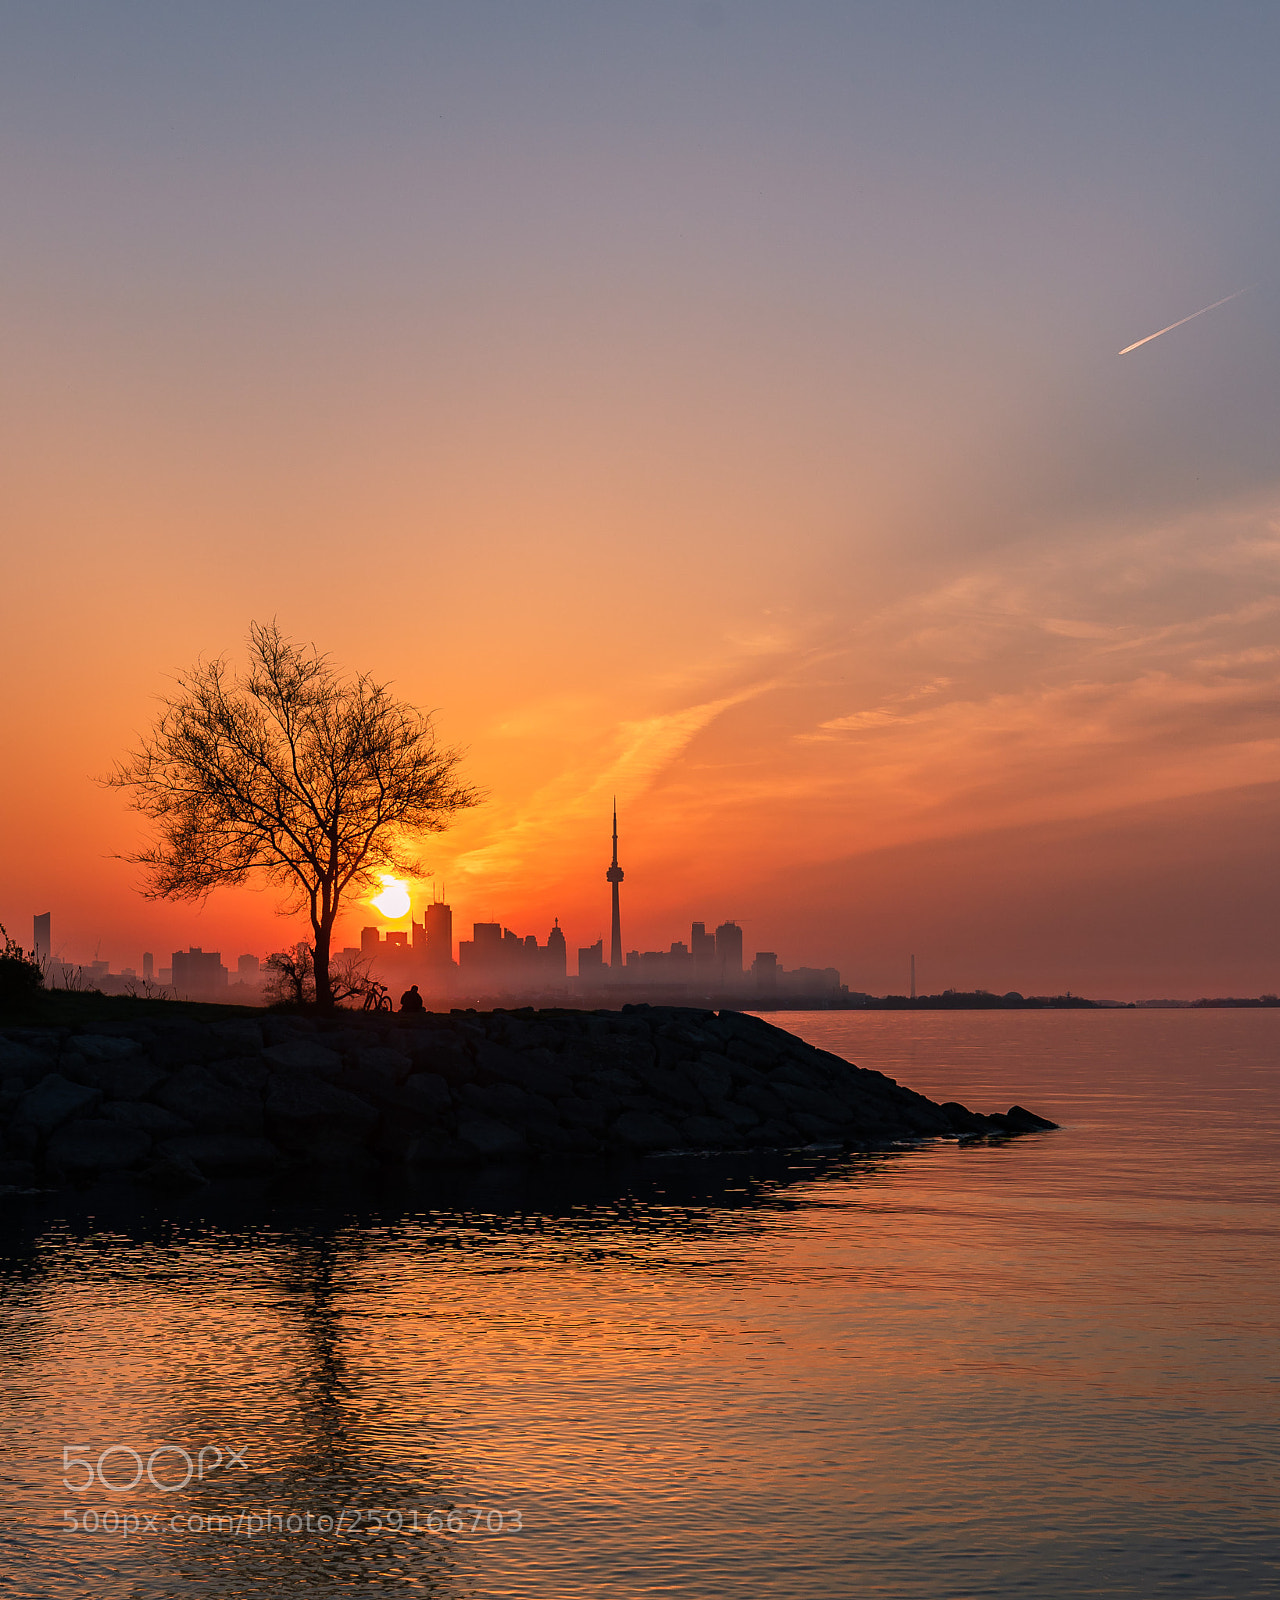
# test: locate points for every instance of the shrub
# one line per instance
(21, 974)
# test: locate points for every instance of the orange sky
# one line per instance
(682, 425)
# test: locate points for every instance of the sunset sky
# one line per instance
(713, 404)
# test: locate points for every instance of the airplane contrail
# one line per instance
(1191, 318)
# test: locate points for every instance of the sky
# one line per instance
(716, 405)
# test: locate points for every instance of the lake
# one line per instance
(1046, 1367)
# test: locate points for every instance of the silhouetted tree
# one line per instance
(292, 772)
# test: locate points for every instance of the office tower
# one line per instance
(702, 945)
(557, 955)
(729, 951)
(591, 961)
(41, 945)
(615, 876)
(247, 967)
(765, 968)
(437, 920)
(370, 941)
(148, 966)
(198, 972)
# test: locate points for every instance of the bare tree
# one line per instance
(312, 781)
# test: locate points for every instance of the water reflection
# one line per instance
(346, 1346)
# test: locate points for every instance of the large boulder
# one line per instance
(376, 1061)
(212, 1106)
(506, 1101)
(94, 1144)
(152, 1119)
(54, 1100)
(493, 1140)
(641, 1130)
(221, 1155)
(317, 1122)
(127, 1076)
(715, 1132)
(240, 1037)
(21, 1059)
(304, 1056)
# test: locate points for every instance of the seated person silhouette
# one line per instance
(411, 1000)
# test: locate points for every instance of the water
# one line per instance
(1045, 1368)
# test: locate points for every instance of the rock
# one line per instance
(152, 1119)
(102, 1047)
(221, 1154)
(961, 1119)
(444, 1055)
(713, 1076)
(817, 1129)
(489, 1137)
(95, 1144)
(427, 1091)
(184, 1044)
(433, 1150)
(815, 1102)
(674, 1087)
(126, 1077)
(713, 1131)
(19, 1060)
(248, 1073)
(317, 1122)
(286, 1029)
(1017, 1119)
(554, 1139)
(304, 1056)
(55, 1099)
(167, 1170)
(240, 1037)
(768, 1105)
(195, 1095)
(377, 1061)
(741, 1117)
(505, 1101)
(590, 1115)
(641, 1130)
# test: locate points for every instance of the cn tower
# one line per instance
(614, 876)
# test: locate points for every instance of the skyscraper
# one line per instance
(729, 952)
(437, 922)
(614, 876)
(42, 936)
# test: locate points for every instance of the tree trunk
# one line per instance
(323, 931)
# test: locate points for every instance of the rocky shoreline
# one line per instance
(177, 1102)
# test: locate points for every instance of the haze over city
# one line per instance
(758, 451)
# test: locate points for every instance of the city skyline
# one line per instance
(493, 960)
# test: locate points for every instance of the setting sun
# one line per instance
(393, 902)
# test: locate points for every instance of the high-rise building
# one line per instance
(41, 943)
(437, 922)
(198, 972)
(591, 962)
(702, 945)
(557, 953)
(729, 952)
(765, 969)
(148, 966)
(246, 966)
(614, 876)
(370, 941)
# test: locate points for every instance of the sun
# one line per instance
(393, 902)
